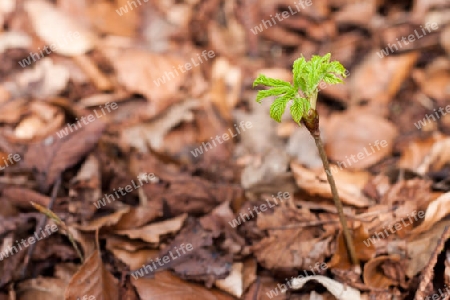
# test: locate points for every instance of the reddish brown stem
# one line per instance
(311, 122)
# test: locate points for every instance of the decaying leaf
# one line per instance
(92, 280)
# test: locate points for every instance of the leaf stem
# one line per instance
(313, 99)
(312, 124)
(347, 236)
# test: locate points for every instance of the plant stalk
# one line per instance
(312, 124)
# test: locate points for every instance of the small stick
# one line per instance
(41, 224)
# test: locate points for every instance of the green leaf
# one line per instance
(298, 68)
(279, 106)
(307, 75)
(336, 68)
(263, 80)
(332, 79)
(298, 109)
(272, 92)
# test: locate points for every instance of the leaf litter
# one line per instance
(180, 118)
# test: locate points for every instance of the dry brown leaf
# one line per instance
(339, 290)
(104, 17)
(93, 280)
(47, 79)
(167, 286)
(349, 183)
(61, 33)
(291, 248)
(420, 248)
(340, 258)
(233, 284)
(124, 243)
(137, 259)
(21, 197)
(153, 232)
(377, 79)
(383, 272)
(435, 83)
(357, 140)
(414, 154)
(45, 120)
(141, 135)
(358, 13)
(54, 155)
(436, 211)
(225, 86)
(437, 158)
(41, 289)
(139, 216)
(156, 76)
(105, 221)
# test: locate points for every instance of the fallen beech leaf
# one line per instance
(341, 260)
(21, 197)
(141, 135)
(93, 280)
(41, 288)
(414, 155)
(349, 184)
(434, 82)
(339, 290)
(54, 155)
(139, 216)
(357, 13)
(103, 15)
(377, 79)
(438, 157)
(152, 233)
(136, 259)
(108, 220)
(233, 284)
(357, 140)
(47, 79)
(153, 75)
(167, 286)
(436, 211)
(420, 248)
(284, 249)
(375, 276)
(61, 33)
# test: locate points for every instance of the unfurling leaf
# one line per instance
(263, 80)
(307, 76)
(279, 105)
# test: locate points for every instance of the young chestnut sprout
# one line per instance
(307, 76)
